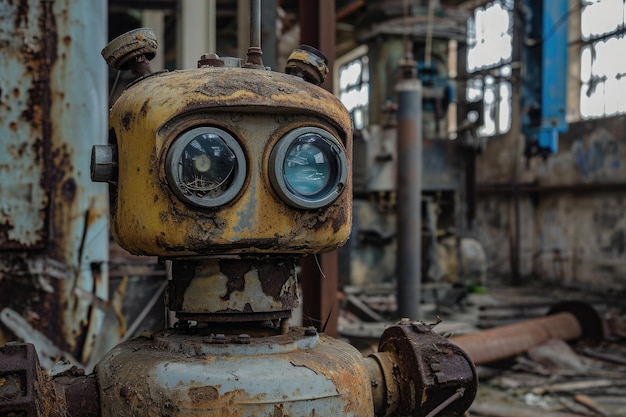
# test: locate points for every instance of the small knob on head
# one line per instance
(133, 50)
(308, 63)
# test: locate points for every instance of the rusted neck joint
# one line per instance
(233, 290)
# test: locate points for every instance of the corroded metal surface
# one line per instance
(255, 107)
(52, 110)
(25, 100)
(25, 390)
(309, 64)
(131, 48)
(220, 288)
(289, 375)
(18, 374)
(423, 372)
(79, 393)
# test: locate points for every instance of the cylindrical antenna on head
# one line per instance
(255, 23)
(254, 51)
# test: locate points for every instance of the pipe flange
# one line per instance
(431, 371)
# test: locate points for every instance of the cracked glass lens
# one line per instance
(207, 166)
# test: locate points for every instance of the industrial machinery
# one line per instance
(428, 192)
(229, 173)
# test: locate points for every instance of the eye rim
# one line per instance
(330, 192)
(175, 152)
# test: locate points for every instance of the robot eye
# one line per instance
(308, 168)
(206, 167)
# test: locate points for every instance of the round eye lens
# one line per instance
(308, 168)
(206, 167)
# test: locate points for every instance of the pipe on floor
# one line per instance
(568, 321)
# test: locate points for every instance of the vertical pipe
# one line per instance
(212, 26)
(255, 24)
(409, 211)
(320, 275)
(254, 51)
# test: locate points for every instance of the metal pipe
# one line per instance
(504, 342)
(255, 24)
(254, 51)
(409, 185)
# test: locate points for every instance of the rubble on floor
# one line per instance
(553, 379)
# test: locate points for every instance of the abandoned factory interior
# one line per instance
(305, 208)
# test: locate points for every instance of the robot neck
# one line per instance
(238, 290)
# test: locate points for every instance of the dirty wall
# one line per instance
(53, 219)
(569, 209)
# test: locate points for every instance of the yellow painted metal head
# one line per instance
(230, 161)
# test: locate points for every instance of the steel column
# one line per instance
(320, 276)
(409, 208)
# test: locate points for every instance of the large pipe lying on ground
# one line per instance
(566, 321)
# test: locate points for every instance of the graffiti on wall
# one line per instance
(598, 157)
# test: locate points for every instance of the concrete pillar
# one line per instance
(154, 19)
(197, 31)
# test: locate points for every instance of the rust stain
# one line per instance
(235, 272)
(21, 13)
(126, 120)
(203, 395)
(68, 190)
(145, 108)
(340, 219)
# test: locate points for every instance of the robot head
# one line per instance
(228, 160)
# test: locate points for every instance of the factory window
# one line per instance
(602, 59)
(353, 76)
(490, 47)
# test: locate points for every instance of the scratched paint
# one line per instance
(286, 375)
(53, 109)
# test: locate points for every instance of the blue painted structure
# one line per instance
(544, 90)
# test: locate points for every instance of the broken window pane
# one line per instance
(602, 61)
(490, 46)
